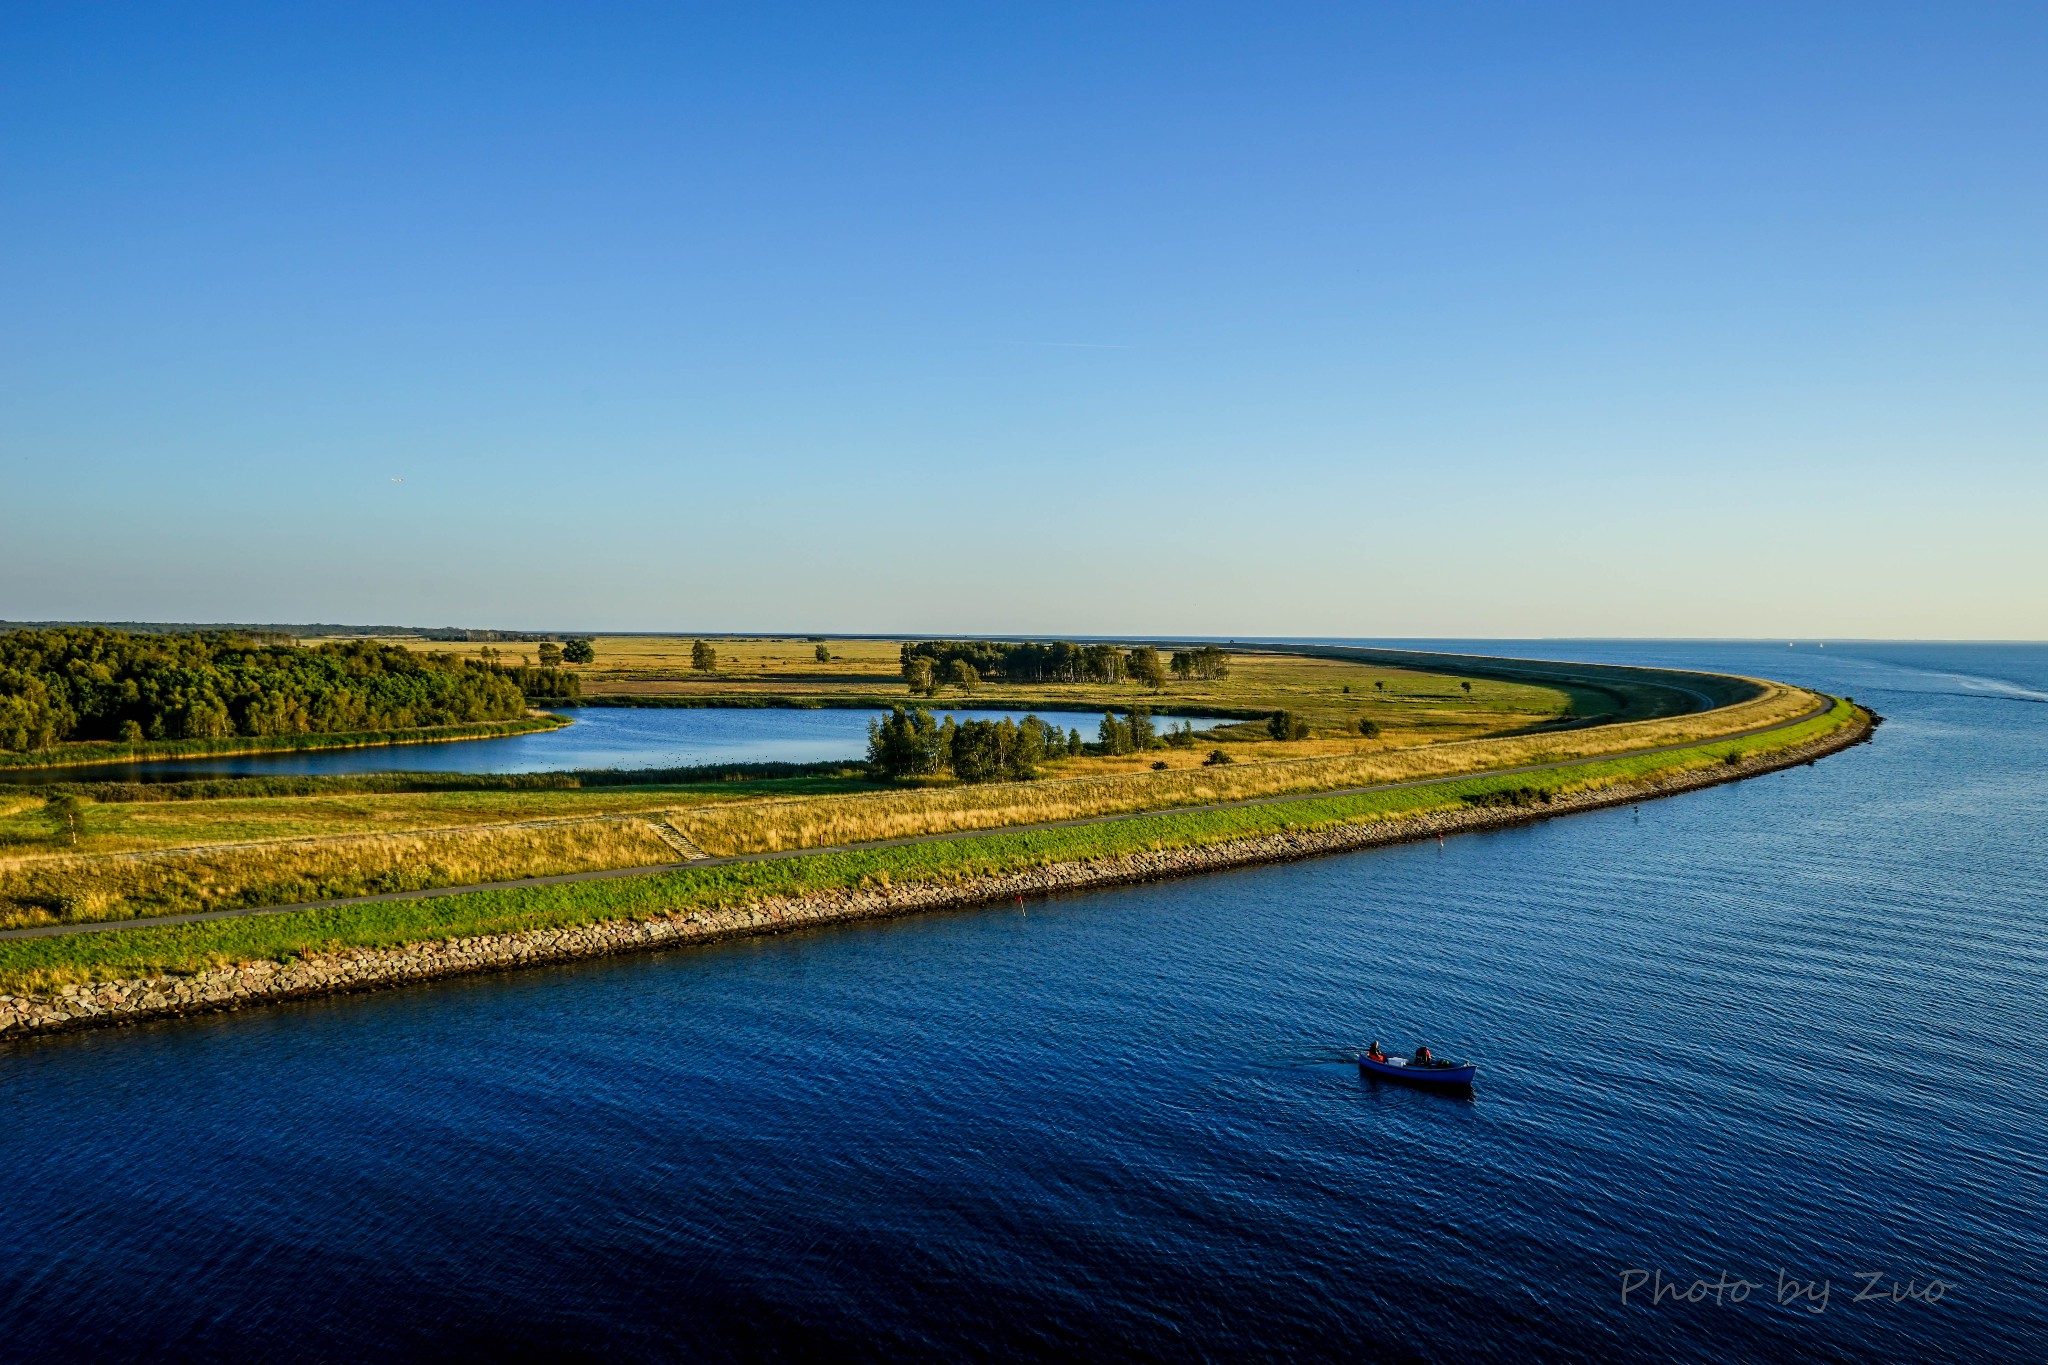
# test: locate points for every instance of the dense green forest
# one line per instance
(931, 664)
(59, 685)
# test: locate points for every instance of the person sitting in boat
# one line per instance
(1374, 1052)
(1423, 1057)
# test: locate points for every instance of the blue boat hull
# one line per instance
(1419, 1075)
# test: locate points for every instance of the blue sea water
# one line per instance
(1783, 1030)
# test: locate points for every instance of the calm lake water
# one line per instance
(1787, 1026)
(602, 737)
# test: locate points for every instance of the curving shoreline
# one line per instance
(530, 724)
(265, 982)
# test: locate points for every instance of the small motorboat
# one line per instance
(1419, 1073)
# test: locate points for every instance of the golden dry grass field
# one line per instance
(1332, 694)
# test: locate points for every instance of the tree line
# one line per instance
(94, 684)
(929, 665)
(910, 742)
(577, 649)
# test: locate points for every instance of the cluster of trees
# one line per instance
(1207, 663)
(925, 677)
(1133, 733)
(1020, 663)
(577, 649)
(1130, 733)
(93, 684)
(931, 664)
(910, 743)
(1286, 725)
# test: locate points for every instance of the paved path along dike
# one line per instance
(156, 921)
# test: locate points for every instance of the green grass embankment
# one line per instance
(28, 965)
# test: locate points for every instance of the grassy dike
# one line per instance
(253, 844)
(40, 966)
(94, 752)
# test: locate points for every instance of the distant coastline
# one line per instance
(784, 701)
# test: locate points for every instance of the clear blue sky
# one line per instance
(1357, 319)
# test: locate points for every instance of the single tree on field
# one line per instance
(823, 654)
(1378, 686)
(1368, 729)
(963, 676)
(703, 656)
(66, 817)
(579, 649)
(550, 655)
(1467, 685)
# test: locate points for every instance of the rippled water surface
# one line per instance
(1789, 1025)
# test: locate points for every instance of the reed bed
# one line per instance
(74, 889)
(828, 821)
